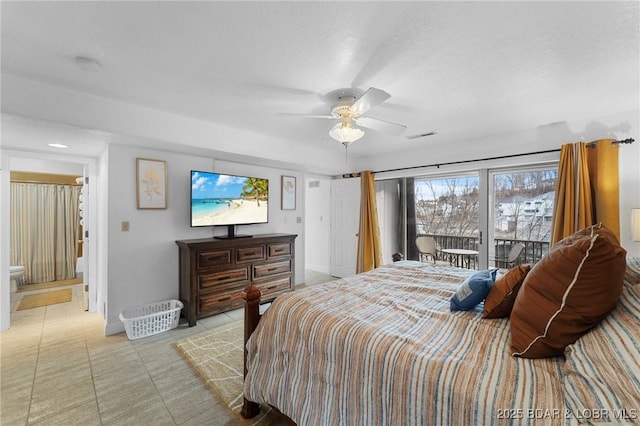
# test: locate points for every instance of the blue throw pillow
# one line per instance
(473, 290)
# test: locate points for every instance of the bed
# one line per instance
(384, 347)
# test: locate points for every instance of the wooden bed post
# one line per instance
(251, 317)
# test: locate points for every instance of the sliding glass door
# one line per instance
(477, 218)
(521, 208)
(447, 209)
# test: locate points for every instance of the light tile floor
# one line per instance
(58, 368)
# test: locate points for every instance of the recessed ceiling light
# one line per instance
(87, 64)
(58, 145)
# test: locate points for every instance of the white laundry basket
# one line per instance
(150, 319)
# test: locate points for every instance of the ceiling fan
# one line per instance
(350, 109)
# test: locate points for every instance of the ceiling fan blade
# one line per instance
(368, 100)
(292, 114)
(381, 126)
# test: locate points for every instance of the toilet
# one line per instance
(16, 274)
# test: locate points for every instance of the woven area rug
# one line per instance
(217, 356)
(38, 300)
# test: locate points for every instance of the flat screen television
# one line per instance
(228, 200)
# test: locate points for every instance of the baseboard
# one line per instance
(114, 328)
(317, 268)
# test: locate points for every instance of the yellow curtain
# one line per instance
(603, 171)
(572, 205)
(586, 188)
(369, 247)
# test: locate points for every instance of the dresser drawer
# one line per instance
(211, 304)
(250, 254)
(208, 258)
(279, 249)
(272, 268)
(234, 277)
(277, 285)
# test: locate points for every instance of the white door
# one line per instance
(345, 213)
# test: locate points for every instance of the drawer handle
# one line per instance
(272, 269)
(271, 287)
(216, 258)
(224, 298)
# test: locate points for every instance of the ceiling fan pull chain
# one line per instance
(346, 153)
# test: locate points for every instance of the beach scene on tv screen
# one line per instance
(227, 200)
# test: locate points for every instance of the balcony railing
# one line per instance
(533, 250)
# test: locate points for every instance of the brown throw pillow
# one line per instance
(502, 296)
(569, 291)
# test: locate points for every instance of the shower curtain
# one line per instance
(44, 230)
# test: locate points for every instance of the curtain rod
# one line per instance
(437, 165)
(625, 141)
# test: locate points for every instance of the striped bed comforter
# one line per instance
(602, 369)
(383, 348)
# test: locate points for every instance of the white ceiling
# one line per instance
(462, 69)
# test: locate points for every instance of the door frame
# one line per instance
(90, 262)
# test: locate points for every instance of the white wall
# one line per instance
(317, 214)
(101, 234)
(46, 166)
(5, 242)
(29, 98)
(629, 163)
(143, 262)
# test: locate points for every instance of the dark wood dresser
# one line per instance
(214, 272)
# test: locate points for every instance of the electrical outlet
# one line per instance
(298, 219)
(125, 226)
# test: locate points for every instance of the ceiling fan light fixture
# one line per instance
(344, 133)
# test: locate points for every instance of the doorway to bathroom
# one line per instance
(59, 253)
(46, 226)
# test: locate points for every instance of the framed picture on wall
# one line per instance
(151, 183)
(288, 193)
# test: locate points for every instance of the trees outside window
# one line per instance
(447, 206)
(523, 204)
